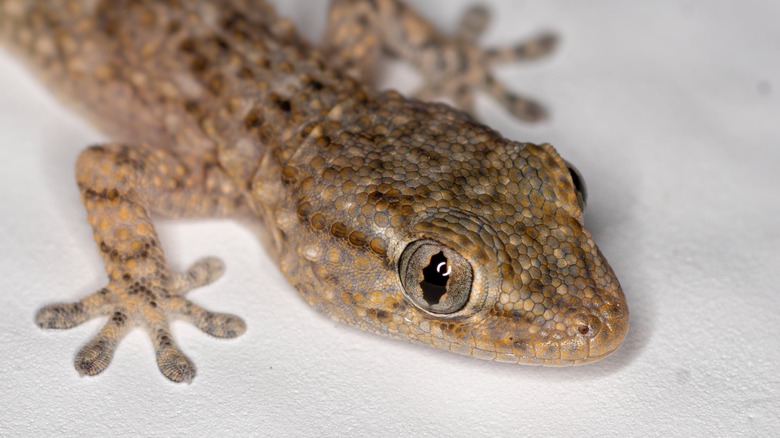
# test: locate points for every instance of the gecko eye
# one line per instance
(579, 185)
(435, 278)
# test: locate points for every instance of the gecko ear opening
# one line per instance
(435, 278)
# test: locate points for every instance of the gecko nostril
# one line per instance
(588, 326)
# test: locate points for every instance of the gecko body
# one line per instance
(394, 215)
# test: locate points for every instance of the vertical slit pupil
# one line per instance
(435, 277)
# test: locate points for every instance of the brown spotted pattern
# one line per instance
(219, 108)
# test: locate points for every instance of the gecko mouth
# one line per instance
(594, 335)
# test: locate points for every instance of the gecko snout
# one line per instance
(609, 329)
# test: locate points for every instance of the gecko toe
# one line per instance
(59, 316)
(222, 325)
(541, 45)
(473, 22)
(519, 106)
(69, 315)
(175, 365)
(206, 271)
(203, 272)
(528, 110)
(94, 357)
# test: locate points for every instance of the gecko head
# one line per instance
(510, 272)
(431, 227)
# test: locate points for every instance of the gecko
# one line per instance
(396, 215)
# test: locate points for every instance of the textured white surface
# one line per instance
(671, 110)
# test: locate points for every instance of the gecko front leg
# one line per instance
(452, 66)
(120, 187)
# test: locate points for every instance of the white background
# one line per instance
(670, 109)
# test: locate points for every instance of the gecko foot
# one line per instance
(464, 68)
(150, 304)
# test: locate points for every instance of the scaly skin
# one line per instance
(221, 109)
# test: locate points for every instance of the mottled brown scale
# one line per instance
(220, 109)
